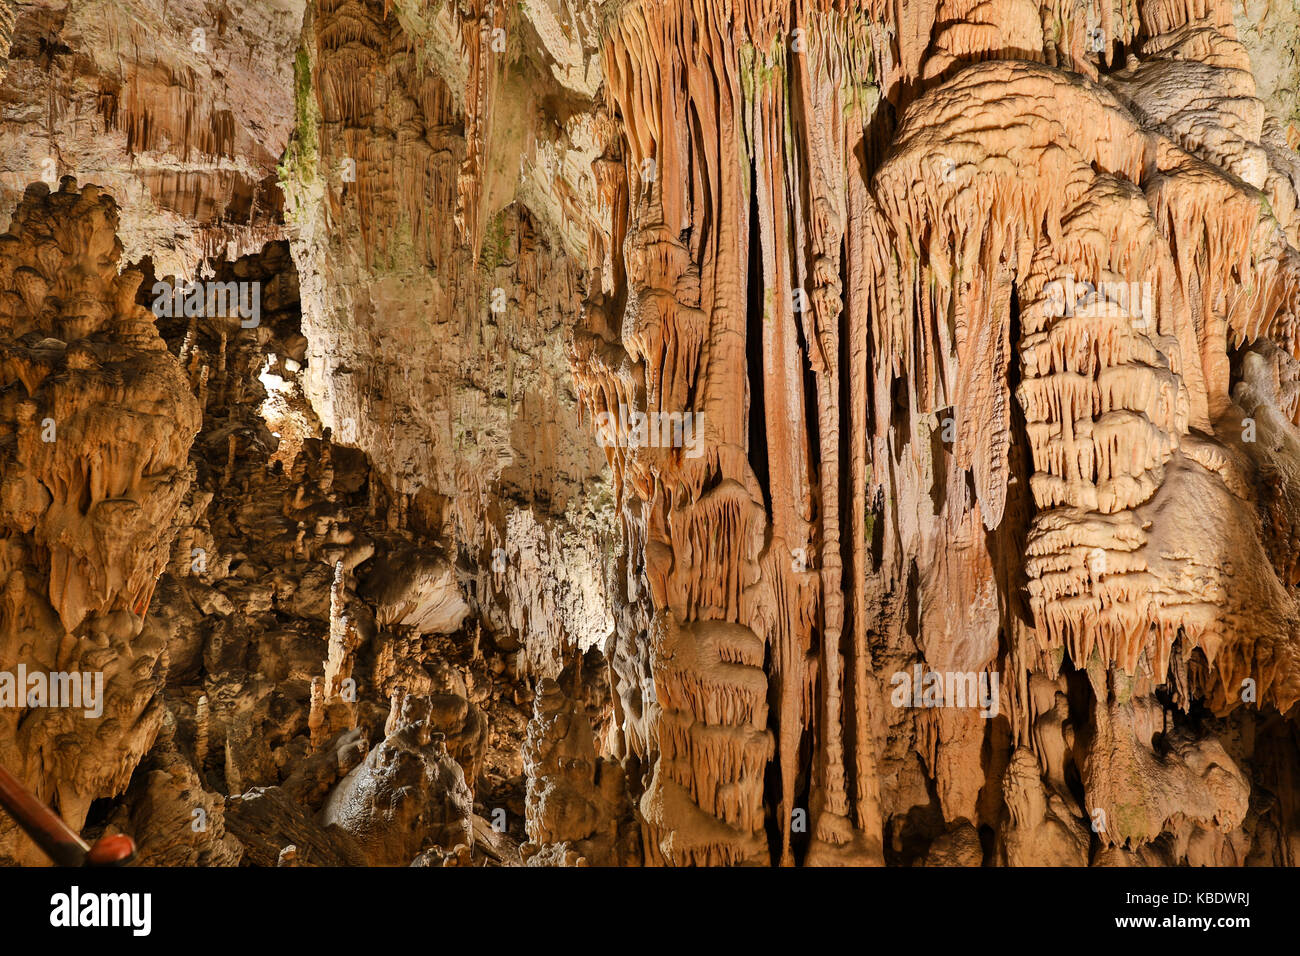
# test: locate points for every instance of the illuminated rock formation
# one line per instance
(97, 424)
(180, 110)
(576, 801)
(408, 791)
(681, 432)
(966, 387)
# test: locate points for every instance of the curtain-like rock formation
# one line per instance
(959, 327)
(676, 432)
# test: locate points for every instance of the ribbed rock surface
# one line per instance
(181, 110)
(679, 432)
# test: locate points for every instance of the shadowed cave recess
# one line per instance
(652, 432)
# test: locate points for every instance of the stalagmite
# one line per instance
(669, 433)
(201, 724)
(97, 425)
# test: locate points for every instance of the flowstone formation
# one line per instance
(180, 110)
(963, 328)
(578, 812)
(97, 425)
(661, 432)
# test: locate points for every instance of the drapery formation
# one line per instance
(961, 321)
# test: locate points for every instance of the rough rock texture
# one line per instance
(436, 306)
(576, 801)
(408, 790)
(676, 432)
(95, 426)
(950, 453)
(181, 110)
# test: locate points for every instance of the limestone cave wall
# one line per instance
(662, 432)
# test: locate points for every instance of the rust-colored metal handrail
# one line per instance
(59, 841)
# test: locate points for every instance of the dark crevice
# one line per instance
(754, 364)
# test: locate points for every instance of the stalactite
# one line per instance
(99, 423)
